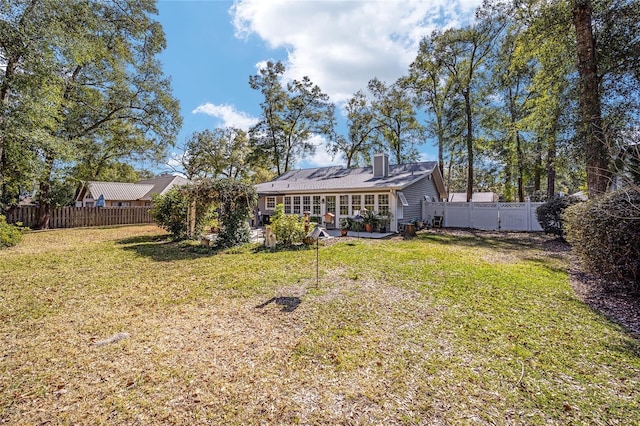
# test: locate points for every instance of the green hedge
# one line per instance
(605, 235)
(550, 214)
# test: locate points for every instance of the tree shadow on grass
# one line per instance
(289, 304)
(282, 248)
(503, 242)
(143, 239)
(160, 248)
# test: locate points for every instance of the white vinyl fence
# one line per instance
(486, 216)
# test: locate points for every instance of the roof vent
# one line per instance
(380, 165)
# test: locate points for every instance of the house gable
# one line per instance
(127, 193)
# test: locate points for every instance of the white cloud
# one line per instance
(341, 45)
(228, 115)
(321, 158)
(424, 156)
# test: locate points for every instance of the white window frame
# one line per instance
(315, 205)
(270, 203)
(385, 205)
(287, 204)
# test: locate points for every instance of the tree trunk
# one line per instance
(5, 93)
(44, 192)
(508, 177)
(467, 109)
(440, 145)
(595, 146)
(551, 167)
(537, 173)
(520, 160)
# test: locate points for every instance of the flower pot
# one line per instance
(368, 227)
(344, 232)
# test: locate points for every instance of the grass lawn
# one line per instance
(441, 329)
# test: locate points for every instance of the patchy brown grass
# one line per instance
(441, 329)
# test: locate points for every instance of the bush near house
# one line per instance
(550, 214)
(289, 228)
(9, 235)
(605, 234)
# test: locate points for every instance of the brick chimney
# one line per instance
(380, 165)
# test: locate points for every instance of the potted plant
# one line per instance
(370, 220)
(384, 221)
(345, 225)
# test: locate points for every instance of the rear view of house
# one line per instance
(333, 193)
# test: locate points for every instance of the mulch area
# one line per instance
(617, 303)
(613, 300)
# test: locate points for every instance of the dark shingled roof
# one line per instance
(340, 178)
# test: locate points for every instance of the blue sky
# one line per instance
(214, 46)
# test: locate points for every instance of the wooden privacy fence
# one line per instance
(486, 216)
(75, 217)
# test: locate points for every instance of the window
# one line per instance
(287, 205)
(270, 203)
(369, 202)
(296, 204)
(383, 204)
(316, 205)
(88, 204)
(121, 204)
(306, 203)
(344, 205)
(356, 203)
(331, 204)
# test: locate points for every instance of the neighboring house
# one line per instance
(476, 197)
(122, 194)
(26, 200)
(343, 192)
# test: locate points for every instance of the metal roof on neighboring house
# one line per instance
(126, 191)
(120, 191)
(340, 178)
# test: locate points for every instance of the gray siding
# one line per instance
(415, 194)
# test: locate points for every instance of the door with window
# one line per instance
(331, 208)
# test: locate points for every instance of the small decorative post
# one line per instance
(359, 219)
(306, 221)
(316, 234)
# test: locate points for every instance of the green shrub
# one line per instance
(170, 211)
(289, 228)
(605, 234)
(9, 235)
(237, 201)
(550, 214)
(234, 230)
